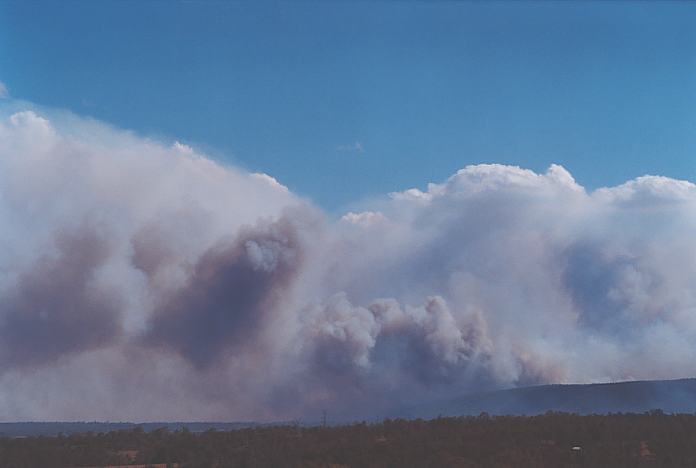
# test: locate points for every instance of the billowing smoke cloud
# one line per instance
(144, 281)
(56, 308)
(230, 294)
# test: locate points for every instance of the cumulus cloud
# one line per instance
(4, 93)
(131, 264)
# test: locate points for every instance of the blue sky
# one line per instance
(342, 101)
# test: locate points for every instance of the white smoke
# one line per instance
(141, 280)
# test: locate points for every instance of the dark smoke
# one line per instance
(58, 307)
(229, 294)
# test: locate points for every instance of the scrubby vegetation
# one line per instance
(549, 440)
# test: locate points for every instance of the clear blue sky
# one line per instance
(606, 89)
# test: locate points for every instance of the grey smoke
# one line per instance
(231, 290)
(57, 307)
(154, 283)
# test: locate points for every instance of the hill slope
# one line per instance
(671, 396)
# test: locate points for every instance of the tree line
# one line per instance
(548, 440)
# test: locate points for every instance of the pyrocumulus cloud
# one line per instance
(141, 280)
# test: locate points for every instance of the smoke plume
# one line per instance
(145, 281)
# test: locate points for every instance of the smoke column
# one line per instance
(144, 281)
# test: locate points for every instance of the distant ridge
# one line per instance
(671, 396)
(52, 428)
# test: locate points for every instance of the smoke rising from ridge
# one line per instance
(130, 265)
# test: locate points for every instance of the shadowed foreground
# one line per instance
(552, 439)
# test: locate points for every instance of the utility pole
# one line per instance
(323, 418)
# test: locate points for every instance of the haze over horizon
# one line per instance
(312, 250)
